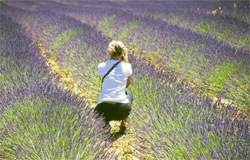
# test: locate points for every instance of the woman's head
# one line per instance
(116, 49)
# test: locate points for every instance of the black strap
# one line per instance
(110, 70)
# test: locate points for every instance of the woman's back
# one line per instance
(114, 84)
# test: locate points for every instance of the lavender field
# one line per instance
(191, 69)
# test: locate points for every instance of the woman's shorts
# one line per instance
(114, 110)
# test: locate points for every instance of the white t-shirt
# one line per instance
(114, 84)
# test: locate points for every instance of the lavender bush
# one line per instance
(21, 65)
(38, 119)
(223, 29)
(48, 123)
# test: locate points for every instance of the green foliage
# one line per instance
(184, 137)
(64, 37)
(218, 31)
(175, 126)
(205, 27)
(196, 69)
(224, 75)
(213, 27)
(220, 75)
(10, 78)
(225, 35)
(88, 78)
(178, 142)
(173, 19)
(178, 59)
(147, 97)
(43, 129)
(244, 42)
(127, 30)
(105, 26)
(238, 87)
(17, 76)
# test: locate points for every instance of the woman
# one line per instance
(114, 102)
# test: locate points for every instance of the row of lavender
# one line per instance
(164, 111)
(39, 120)
(236, 10)
(225, 29)
(233, 74)
(193, 15)
(189, 14)
(214, 66)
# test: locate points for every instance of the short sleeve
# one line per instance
(100, 69)
(130, 71)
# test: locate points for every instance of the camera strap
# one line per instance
(110, 70)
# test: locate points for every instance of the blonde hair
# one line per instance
(116, 48)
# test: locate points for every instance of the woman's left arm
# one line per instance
(129, 81)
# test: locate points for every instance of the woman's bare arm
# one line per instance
(124, 59)
(129, 81)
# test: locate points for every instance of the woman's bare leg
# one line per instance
(123, 126)
(123, 122)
